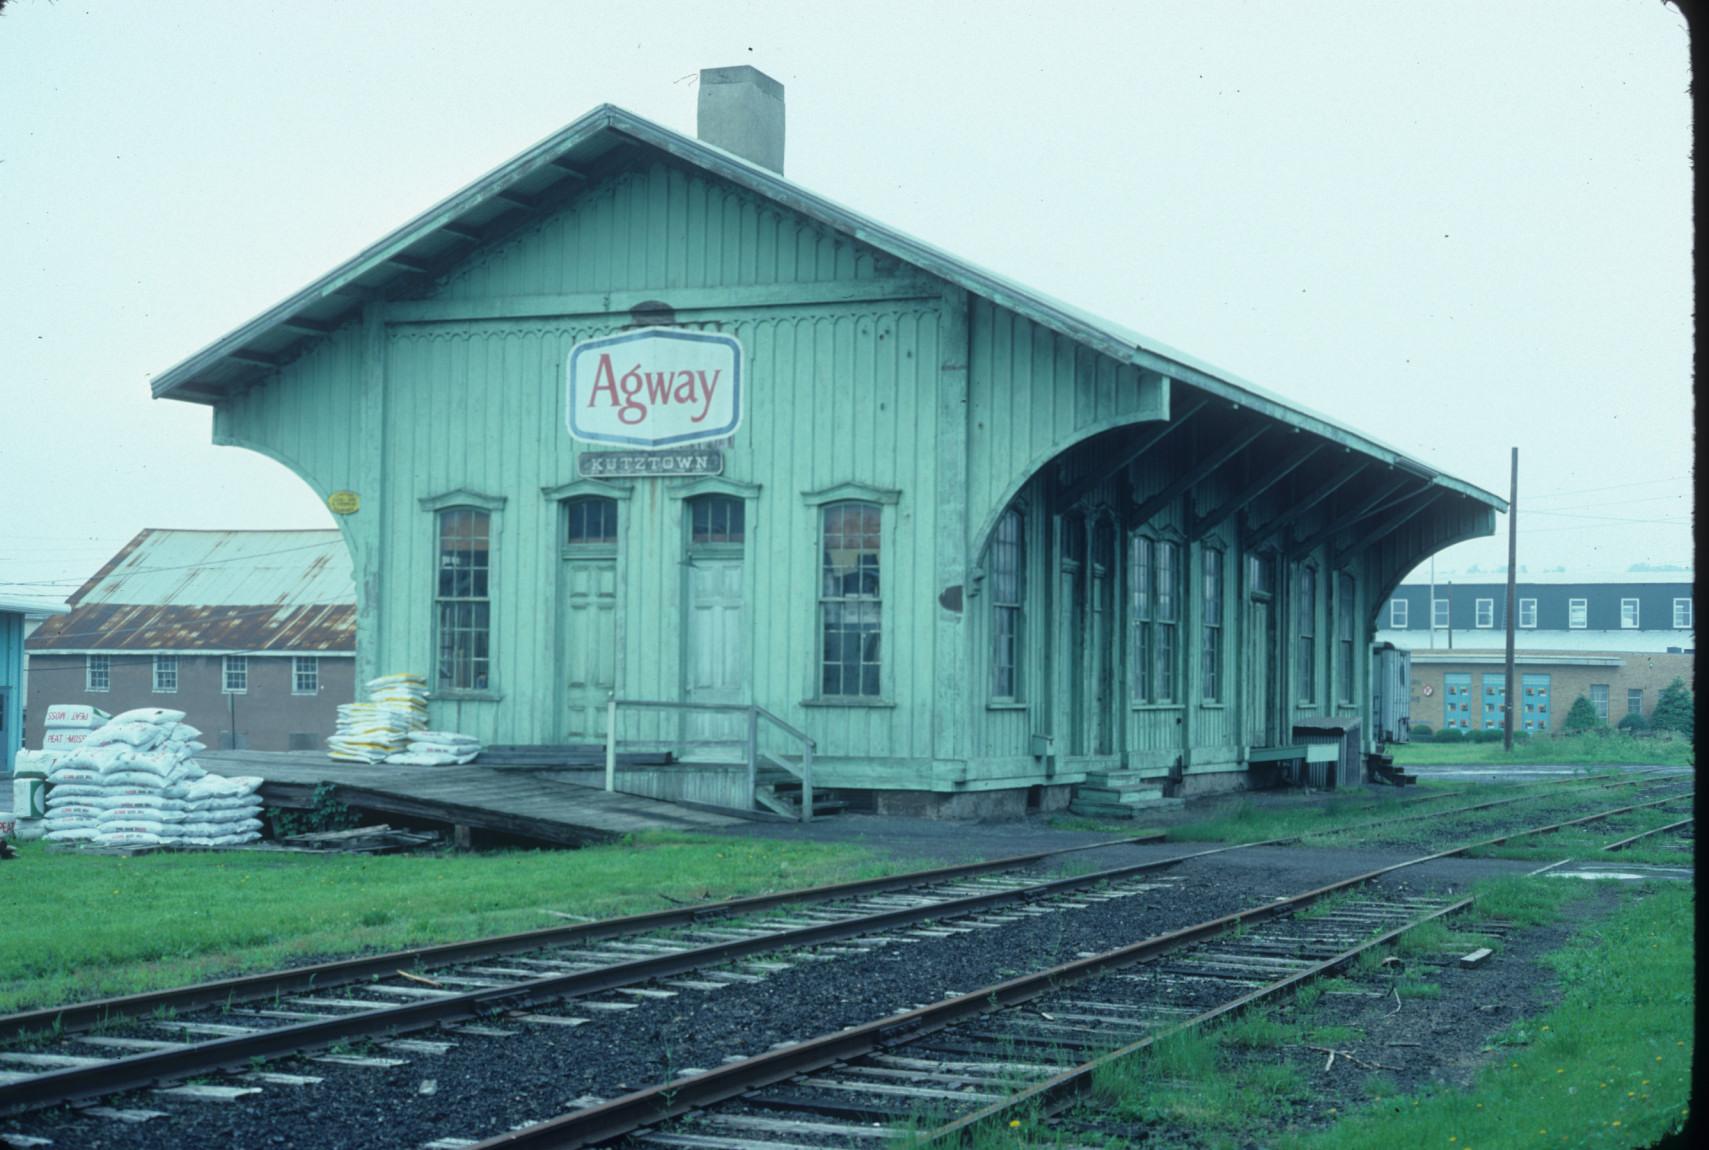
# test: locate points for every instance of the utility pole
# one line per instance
(1508, 692)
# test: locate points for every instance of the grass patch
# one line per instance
(1609, 1067)
(1555, 750)
(166, 919)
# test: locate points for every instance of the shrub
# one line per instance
(1422, 731)
(1633, 723)
(1447, 735)
(1485, 735)
(1581, 718)
(1675, 710)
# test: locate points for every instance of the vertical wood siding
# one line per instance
(859, 371)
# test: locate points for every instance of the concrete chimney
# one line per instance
(741, 111)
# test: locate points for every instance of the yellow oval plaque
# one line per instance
(344, 502)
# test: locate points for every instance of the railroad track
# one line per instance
(600, 966)
(1032, 1042)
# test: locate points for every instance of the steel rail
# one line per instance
(147, 1069)
(1596, 818)
(1055, 1093)
(1622, 844)
(671, 1099)
(72, 1018)
(80, 1016)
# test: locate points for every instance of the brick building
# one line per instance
(251, 633)
(1618, 642)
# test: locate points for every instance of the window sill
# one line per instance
(1008, 705)
(465, 696)
(1156, 706)
(1213, 706)
(846, 701)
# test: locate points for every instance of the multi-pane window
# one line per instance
(1494, 702)
(1397, 614)
(1210, 663)
(462, 599)
(1578, 614)
(1527, 612)
(1166, 610)
(850, 602)
(1628, 613)
(712, 519)
(305, 675)
(97, 672)
(1307, 665)
(1008, 592)
(1535, 711)
(1486, 612)
(1344, 636)
(234, 674)
(1599, 700)
(1154, 582)
(1634, 700)
(1682, 614)
(1439, 613)
(165, 674)
(1457, 700)
(1140, 549)
(592, 520)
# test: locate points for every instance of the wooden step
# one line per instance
(1125, 794)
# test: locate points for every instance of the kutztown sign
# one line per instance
(655, 387)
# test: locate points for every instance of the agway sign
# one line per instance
(655, 387)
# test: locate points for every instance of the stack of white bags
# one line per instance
(134, 782)
(437, 749)
(370, 732)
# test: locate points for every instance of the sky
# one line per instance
(1458, 227)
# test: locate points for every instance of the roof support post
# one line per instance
(1205, 524)
(1337, 526)
(1089, 482)
(1193, 476)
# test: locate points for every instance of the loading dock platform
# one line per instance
(531, 802)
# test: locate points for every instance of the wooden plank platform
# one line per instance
(523, 803)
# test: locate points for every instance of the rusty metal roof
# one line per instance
(260, 592)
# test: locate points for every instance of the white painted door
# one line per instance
(715, 657)
(590, 646)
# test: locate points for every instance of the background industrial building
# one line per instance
(1616, 640)
(251, 634)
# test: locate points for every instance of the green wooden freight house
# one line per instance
(635, 415)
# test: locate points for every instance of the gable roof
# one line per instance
(230, 591)
(444, 233)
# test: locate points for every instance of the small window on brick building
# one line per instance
(165, 674)
(1578, 614)
(235, 680)
(1628, 613)
(97, 672)
(305, 675)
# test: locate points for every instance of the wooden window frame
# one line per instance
(1155, 619)
(1008, 611)
(864, 602)
(1444, 609)
(1346, 637)
(1635, 616)
(1527, 610)
(1305, 652)
(1213, 592)
(159, 672)
(299, 679)
(234, 674)
(98, 673)
(1682, 618)
(447, 605)
(1582, 609)
(1484, 617)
